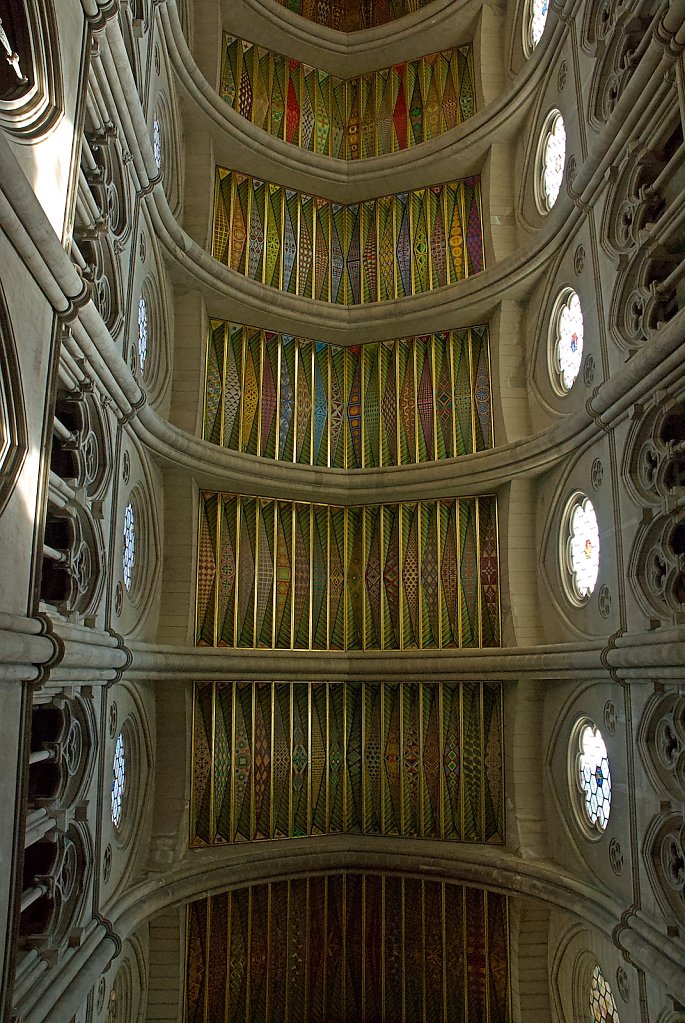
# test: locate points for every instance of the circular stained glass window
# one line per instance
(593, 777)
(142, 332)
(118, 780)
(157, 142)
(538, 17)
(129, 557)
(566, 342)
(580, 553)
(602, 1004)
(552, 156)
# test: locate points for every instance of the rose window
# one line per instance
(593, 776)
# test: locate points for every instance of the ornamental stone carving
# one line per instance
(662, 743)
(654, 460)
(613, 34)
(57, 871)
(665, 856)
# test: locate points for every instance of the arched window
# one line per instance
(602, 1004)
(157, 142)
(580, 549)
(551, 159)
(565, 341)
(118, 780)
(592, 776)
(537, 17)
(129, 556)
(142, 332)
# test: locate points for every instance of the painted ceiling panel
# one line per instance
(286, 760)
(349, 948)
(353, 15)
(400, 402)
(372, 251)
(294, 575)
(350, 119)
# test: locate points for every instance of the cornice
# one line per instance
(655, 654)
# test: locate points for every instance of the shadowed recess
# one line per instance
(294, 575)
(350, 119)
(349, 948)
(416, 399)
(372, 251)
(284, 760)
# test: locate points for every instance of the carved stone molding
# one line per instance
(31, 94)
(661, 739)
(13, 428)
(665, 860)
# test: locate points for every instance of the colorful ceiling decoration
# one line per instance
(284, 759)
(416, 399)
(349, 947)
(353, 15)
(284, 574)
(371, 251)
(381, 112)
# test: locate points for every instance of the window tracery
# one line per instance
(129, 556)
(592, 775)
(538, 11)
(157, 142)
(580, 549)
(552, 156)
(118, 780)
(566, 342)
(142, 332)
(602, 1005)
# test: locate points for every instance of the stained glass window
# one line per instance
(538, 16)
(583, 548)
(553, 155)
(118, 780)
(142, 332)
(594, 778)
(567, 342)
(602, 1004)
(157, 142)
(129, 544)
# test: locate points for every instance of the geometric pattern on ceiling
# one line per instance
(289, 759)
(352, 15)
(348, 948)
(371, 251)
(370, 115)
(294, 575)
(394, 402)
